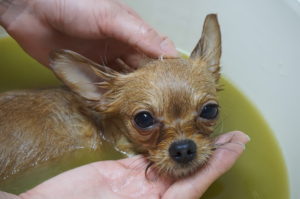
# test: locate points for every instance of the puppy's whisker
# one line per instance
(138, 161)
(219, 126)
(102, 60)
(147, 169)
(218, 145)
(106, 60)
(137, 169)
(221, 122)
(106, 53)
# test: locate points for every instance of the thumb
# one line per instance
(230, 147)
(131, 29)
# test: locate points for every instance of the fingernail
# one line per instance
(168, 47)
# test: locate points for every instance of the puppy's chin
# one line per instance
(164, 165)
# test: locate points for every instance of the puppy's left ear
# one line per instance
(208, 48)
(81, 75)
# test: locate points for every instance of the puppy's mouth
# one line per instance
(182, 158)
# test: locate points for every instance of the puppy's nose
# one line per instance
(183, 151)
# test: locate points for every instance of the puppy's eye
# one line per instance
(144, 120)
(209, 111)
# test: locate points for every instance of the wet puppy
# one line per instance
(165, 110)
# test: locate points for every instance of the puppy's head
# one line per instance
(167, 109)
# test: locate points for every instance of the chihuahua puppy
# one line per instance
(165, 110)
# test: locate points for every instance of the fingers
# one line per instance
(229, 148)
(131, 29)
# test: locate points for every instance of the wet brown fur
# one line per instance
(38, 125)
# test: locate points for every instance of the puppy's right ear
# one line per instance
(80, 74)
(208, 48)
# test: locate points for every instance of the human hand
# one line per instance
(126, 178)
(101, 30)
